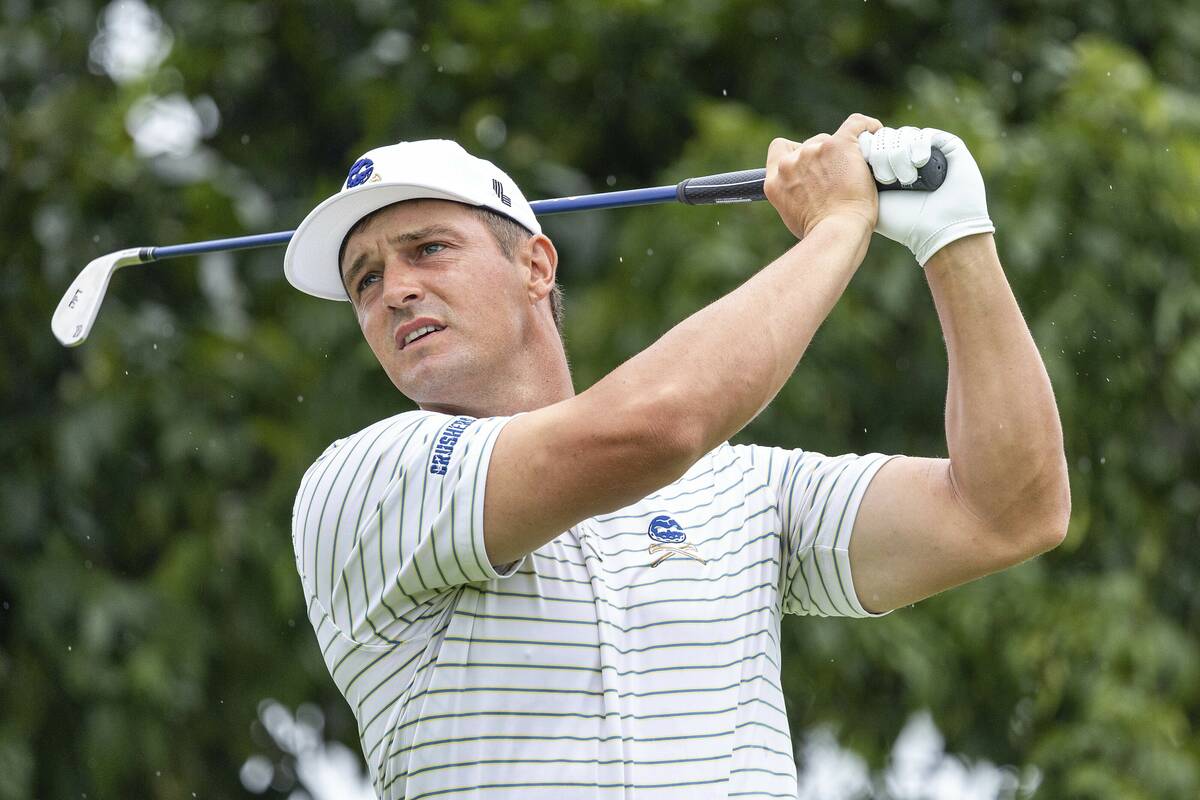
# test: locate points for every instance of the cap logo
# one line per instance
(360, 172)
(498, 188)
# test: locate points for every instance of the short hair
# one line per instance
(508, 234)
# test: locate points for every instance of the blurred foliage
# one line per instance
(148, 599)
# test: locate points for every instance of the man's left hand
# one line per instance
(925, 222)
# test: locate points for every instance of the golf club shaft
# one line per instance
(727, 187)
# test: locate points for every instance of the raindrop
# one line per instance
(299, 398)
(1017, 77)
(96, 239)
(649, 251)
(724, 93)
(69, 648)
(621, 259)
(156, 345)
(611, 180)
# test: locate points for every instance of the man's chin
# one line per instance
(436, 383)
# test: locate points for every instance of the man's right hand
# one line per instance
(822, 177)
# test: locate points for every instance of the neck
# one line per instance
(541, 377)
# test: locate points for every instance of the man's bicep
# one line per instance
(913, 537)
(558, 465)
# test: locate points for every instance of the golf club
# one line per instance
(77, 311)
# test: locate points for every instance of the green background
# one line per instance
(148, 597)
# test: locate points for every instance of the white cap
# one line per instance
(433, 169)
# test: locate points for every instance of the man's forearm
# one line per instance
(720, 367)
(1002, 426)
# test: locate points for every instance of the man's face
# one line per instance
(434, 264)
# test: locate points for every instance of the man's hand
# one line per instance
(822, 177)
(925, 222)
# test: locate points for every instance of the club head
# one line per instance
(76, 312)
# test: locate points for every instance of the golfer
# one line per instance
(527, 592)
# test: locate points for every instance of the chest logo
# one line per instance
(667, 538)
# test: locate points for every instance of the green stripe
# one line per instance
(337, 523)
(849, 593)
(597, 762)
(602, 667)
(358, 544)
(610, 604)
(564, 785)
(622, 628)
(594, 693)
(772, 560)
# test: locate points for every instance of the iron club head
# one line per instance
(76, 312)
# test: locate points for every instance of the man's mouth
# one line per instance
(419, 333)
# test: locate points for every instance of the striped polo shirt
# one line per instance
(635, 655)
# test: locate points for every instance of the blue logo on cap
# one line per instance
(359, 173)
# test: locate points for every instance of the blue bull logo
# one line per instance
(666, 530)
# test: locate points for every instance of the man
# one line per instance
(524, 592)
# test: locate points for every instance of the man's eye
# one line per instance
(367, 280)
(431, 248)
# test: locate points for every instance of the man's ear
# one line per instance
(542, 260)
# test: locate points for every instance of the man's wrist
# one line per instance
(845, 224)
(963, 252)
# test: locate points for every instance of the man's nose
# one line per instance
(401, 285)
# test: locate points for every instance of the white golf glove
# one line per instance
(925, 222)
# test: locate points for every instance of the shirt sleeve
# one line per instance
(818, 499)
(388, 522)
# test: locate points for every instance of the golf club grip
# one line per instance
(746, 185)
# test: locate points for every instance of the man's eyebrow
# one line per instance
(360, 261)
(356, 266)
(427, 232)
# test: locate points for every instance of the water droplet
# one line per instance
(611, 180)
(245, 138)
(649, 251)
(299, 398)
(724, 93)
